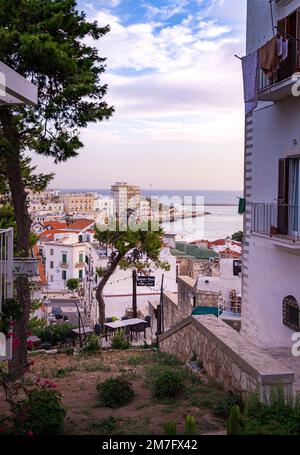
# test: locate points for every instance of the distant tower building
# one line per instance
(125, 197)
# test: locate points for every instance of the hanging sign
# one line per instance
(148, 281)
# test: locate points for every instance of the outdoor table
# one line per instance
(112, 326)
(84, 331)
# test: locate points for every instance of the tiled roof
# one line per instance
(56, 224)
(81, 224)
(195, 251)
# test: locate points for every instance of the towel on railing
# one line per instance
(285, 49)
(268, 58)
(250, 77)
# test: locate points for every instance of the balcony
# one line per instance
(80, 265)
(280, 86)
(63, 265)
(278, 222)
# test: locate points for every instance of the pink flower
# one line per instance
(30, 433)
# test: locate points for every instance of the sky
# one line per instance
(177, 91)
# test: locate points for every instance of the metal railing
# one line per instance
(285, 70)
(230, 308)
(6, 264)
(276, 220)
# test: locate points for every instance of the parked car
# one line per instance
(57, 312)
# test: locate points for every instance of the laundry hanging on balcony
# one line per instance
(250, 77)
(268, 58)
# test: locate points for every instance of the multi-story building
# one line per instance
(43, 208)
(104, 206)
(78, 202)
(125, 197)
(271, 255)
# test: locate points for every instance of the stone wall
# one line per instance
(226, 355)
(197, 267)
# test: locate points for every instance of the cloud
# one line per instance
(177, 91)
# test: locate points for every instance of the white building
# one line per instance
(125, 197)
(46, 208)
(271, 258)
(104, 206)
(65, 258)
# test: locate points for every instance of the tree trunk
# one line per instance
(12, 156)
(99, 293)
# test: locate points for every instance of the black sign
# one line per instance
(237, 267)
(148, 281)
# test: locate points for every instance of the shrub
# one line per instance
(234, 424)
(189, 426)
(40, 413)
(115, 392)
(53, 334)
(223, 406)
(72, 284)
(281, 416)
(170, 429)
(167, 384)
(119, 340)
(92, 346)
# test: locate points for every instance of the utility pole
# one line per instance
(160, 315)
(134, 299)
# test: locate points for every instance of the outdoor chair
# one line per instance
(148, 322)
(138, 328)
(97, 329)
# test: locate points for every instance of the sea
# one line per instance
(222, 218)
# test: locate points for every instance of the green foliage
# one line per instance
(119, 340)
(168, 383)
(166, 359)
(170, 429)
(280, 416)
(92, 345)
(11, 311)
(189, 425)
(72, 284)
(68, 80)
(238, 236)
(222, 407)
(40, 413)
(234, 423)
(115, 392)
(56, 333)
(36, 325)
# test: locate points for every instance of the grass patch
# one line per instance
(91, 367)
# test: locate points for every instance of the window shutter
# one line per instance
(297, 44)
(283, 185)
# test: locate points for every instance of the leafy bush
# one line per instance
(166, 359)
(53, 334)
(119, 340)
(167, 384)
(223, 406)
(280, 416)
(92, 346)
(115, 392)
(40, 413)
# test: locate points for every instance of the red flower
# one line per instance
(30, 433)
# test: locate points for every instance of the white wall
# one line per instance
(272, 271)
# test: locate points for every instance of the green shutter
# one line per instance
(242, 206)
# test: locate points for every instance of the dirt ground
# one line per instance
(77, 377)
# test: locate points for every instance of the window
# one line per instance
(64, 258)
(64, 275)
(80, 274)
(80, 257)
(291, 312)
(51, 278)
(51, 252)
(51, 265)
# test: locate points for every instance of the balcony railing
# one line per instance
(286, 69)
(64, 265)
(230, 309)
(279, 221)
